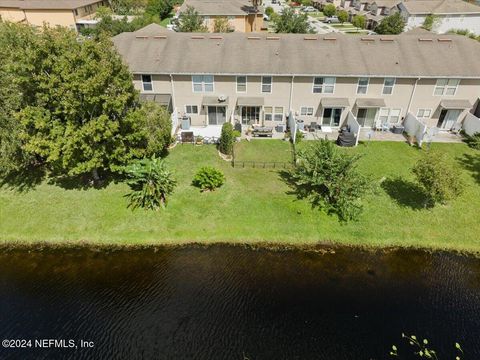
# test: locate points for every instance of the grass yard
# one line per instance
(253, 206)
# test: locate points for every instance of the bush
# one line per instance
(151, 182)
(473, 141)
(329, 178)
(438, 179)
(269, 11)
(208, 179)
(342, 16)
(227, 139)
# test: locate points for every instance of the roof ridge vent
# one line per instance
(310, 38)
(329, 38)
(386, 39)
(144, 37)
(444, 40)
(216, 37)
(253, 37)
(197, 37)
(160, 37)
(273, 38)
(425, 39)
(367, 39)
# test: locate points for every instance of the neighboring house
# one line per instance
(451, 14)
(239, 13)
(383, 7)
(261, 78)
(73, 14)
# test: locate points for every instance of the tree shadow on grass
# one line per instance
(23, 180)
(405, 193)
(85, 181)
(299, 191)
(471, 163)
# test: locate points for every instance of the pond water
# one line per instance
(227, 302)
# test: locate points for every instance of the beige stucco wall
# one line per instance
(51, 17)
(238, 23)
(13, 15)
(302, 95)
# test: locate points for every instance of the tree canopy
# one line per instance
(391, 25)
(189, 21)
(290, 22)
(329, 10)
(359, 21)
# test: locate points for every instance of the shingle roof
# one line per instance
(440, 7)
(46, 4)
(221, 7)
(406, 55)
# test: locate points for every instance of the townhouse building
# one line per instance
(73, 14)
(262, 78)
(240, 14)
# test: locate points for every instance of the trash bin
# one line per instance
(185, 123)
(300, 125)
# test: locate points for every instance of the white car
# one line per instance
(309, 9)
(331, 20)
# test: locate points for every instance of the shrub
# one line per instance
(269, 11)
(473, 141)
(227, 139)
(208, 179)
(342, 16)
(150, 182)
(329, 178)
(438, 179)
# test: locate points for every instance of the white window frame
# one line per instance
(389, 115)
(306, 111)
(424, 110)
(203, 84)
(246, 82)
(265, 84)
(363, 86)
(144, 82)
(273, 113)
(445, 87)
(324, 85)
(385, 86)
(191, 106)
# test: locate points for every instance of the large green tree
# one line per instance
(80, 95)
(391, 25)
(189, 21)
(359, 21)
(290, 22)
(329, 10)
(161, 8)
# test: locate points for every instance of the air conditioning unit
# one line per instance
(222, 98)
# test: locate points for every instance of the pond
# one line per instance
(224, 302)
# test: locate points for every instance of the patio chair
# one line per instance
(313, 127)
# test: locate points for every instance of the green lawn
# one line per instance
(253, 206)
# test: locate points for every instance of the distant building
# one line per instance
(73, 14)
(452, 14)
(239, 13)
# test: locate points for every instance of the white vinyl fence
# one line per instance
(414, 127)
(471, 124)
(354, 126)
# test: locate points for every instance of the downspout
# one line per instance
(411, 96)
(291, 95)
(173, 92)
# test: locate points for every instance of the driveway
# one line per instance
(321, 27)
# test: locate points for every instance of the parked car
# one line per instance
(309, 9)
(331, 19)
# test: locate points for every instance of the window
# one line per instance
(387, 115)
(266, 84)
(147, 83)
(191, 109)
(323, 85)
(202, 83)
(446, 86)
(272, 113)
(424, 113)
(241, 84)
(388, 84)
(362, 85)
(306, 111)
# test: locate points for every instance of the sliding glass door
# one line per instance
(216, 115)
(366, 116)
(331, 116)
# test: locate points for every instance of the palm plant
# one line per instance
(256, 4)
(151, 182)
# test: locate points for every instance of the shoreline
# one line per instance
(318, 248)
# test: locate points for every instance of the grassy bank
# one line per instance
(253, 206)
